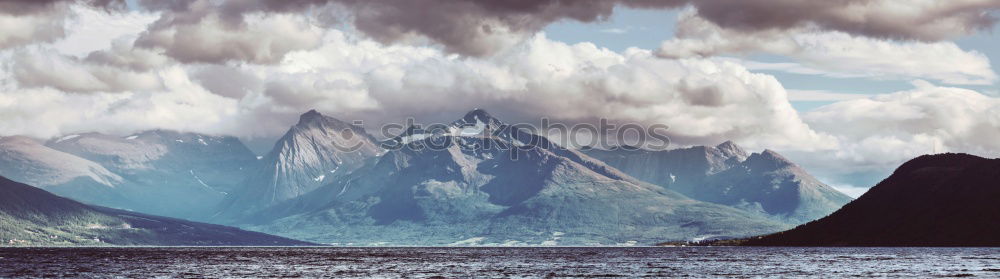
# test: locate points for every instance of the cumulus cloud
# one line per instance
(335, 91)
(356, 78)
(474, 28)
(201, 34)
(925, 20)
(24, 22)
(98, 55)
(702, 100)
(482, 27)
(36, 68)
(836, 54)
(881, 132)
(93, 30)
(31, 6)
(179, 105)
(232, 82)
(123, 54)
(43, 25)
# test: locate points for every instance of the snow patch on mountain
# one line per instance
(69, 137)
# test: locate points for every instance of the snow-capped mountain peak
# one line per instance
(314, 147)
(476, 122)
(731, 150)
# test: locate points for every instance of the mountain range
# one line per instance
(464, 186)
(474, 181)
(167, 173)
(725, 174)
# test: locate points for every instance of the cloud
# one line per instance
(93, 29)
(201, 34)
(924, 20)
(474, 28)
(102, 60)
(232, 82)
(836, 54)
(18, 29)
(482, 27)
(702, 100)
(25, 22)
(180, 105)
(40, 68)
(123, 54)
(881, 132)
(22, 7)
(356, 78)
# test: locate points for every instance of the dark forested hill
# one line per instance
(933, 200)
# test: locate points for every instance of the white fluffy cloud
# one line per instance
(180, 105)
(702, 100)
(42, 68)
(26, 28)
(834, 53)
(881, 132)
(91, 29)
(351, 77)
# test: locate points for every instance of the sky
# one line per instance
(847, 89)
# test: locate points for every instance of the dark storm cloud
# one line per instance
(217, 32)
(480, 27)
(473, 28)
(468, 27)
(20, 7)
(919, 20)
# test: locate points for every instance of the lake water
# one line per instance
(500, 262)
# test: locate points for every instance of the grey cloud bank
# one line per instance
(246, 68)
